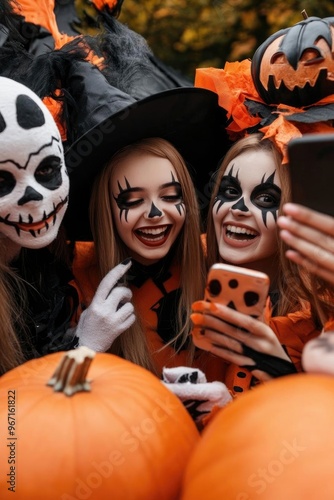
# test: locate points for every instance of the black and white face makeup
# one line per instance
(246, 207)
(147, 205)
(34, 184)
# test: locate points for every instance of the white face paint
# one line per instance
(245, 210)
(34, 183)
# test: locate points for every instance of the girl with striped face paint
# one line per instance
(149, 210)
(144, 208)
(250, 187)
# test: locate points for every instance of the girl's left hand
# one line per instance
(240, 339)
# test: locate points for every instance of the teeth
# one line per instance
(240, 230)
(152, 230)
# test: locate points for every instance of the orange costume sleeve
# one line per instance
(329, 326)
(154, 301)
(85, 271)
(293, 331)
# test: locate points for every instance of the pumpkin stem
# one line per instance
(70, 375)
(304, 14)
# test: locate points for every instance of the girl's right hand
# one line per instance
(310, 235)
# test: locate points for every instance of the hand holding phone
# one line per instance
(241, 289)
(243, 339)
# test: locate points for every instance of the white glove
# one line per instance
(109, 314)
(197, 395)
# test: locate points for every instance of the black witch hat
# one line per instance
(109, 119)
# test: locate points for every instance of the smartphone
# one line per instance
(242, 289)
(311, 166)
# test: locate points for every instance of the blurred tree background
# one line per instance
(200, 33)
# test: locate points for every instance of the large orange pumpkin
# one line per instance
(295, 66)
(274, 443)
(127, 438)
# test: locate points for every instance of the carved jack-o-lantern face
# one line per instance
(295, 66)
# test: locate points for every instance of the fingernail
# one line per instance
(126, 261)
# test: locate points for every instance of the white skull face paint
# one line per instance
(34, 183)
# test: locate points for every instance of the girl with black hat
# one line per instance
(143, 205)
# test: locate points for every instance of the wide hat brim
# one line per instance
(188, 117)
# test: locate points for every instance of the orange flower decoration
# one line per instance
(234, 85)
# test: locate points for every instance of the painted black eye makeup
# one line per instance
(267, 197)
(173, 194)
(127, 199)
(131, 197)
(229, 189)
(7, 182)
(173, 191)
(48, 172)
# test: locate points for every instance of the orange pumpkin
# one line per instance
(275, 442)
(128, 437)
(295, 66)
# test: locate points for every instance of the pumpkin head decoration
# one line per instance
(123, 435)
(295, 66)
(274, 442)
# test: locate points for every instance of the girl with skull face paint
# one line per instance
(36, 301)
(250, 187)
(38, 304)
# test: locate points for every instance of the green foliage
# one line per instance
(200, 33)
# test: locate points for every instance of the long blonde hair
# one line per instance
(110, 249)
(288, 301)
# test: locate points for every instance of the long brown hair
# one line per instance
(110, 249)
(14, 304)
(288, 301)
(11, 354)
